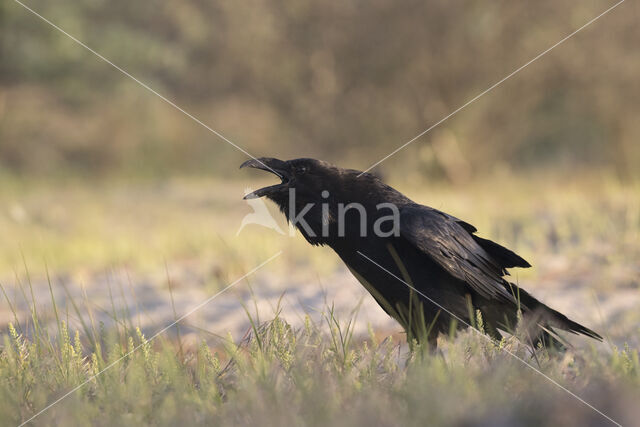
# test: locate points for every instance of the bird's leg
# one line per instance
(432, 342)
(492, 331)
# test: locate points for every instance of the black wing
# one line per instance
(448, 241)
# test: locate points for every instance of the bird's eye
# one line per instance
(301, 170)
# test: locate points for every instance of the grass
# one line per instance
(583, 232)
(78, 227)
(314, 375)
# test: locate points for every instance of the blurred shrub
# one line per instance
(347, 81)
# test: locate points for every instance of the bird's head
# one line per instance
(309, 190)
(308, 178)
(315, 193)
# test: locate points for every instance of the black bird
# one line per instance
(425, 268)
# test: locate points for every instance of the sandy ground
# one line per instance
(146, 301)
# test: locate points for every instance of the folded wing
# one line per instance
(478, 262)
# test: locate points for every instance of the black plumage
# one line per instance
(454, 273)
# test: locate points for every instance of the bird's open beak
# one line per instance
(275, 166)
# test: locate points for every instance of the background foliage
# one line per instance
(347, 81)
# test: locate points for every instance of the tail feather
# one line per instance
(549, 319)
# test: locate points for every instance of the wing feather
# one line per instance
(448, 242)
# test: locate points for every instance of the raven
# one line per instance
(427, 269)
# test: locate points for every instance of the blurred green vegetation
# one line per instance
(591, 224)
(346, 81)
